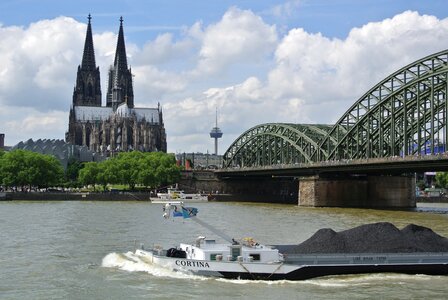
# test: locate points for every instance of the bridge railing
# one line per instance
(331, 163)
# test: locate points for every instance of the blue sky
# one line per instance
(147, 18)
(256, 61)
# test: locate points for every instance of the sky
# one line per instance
(299, 61)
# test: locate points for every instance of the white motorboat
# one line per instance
(175, 194)
(247, 259)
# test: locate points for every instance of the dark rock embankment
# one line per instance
(371, 238)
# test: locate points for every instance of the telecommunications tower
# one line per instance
(216, 133)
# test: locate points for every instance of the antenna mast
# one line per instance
(216, 133)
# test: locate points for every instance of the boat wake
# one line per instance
(341, 281)
(132, 263)
(344, 281)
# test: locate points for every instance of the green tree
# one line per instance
(442, 179)
(148, 176)
(107, 173)
(129, 167)
(132, 168)
(88, 174)
(168, 171)
(1, 166)
(72, 171)
(25, 168)
(161, 169)
(13, 168)
(44, 170)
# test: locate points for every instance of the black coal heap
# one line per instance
(373, 238)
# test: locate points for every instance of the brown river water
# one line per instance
(80, 250)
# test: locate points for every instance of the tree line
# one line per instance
(22, 168)
(147, 169)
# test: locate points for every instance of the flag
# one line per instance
(188, 212)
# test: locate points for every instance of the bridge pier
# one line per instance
(248, 189)
(357, 191)
(368, 191)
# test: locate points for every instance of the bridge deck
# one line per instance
(383, 166)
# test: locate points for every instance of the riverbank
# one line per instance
(114, 196)
(432, 199)
(60, 196)
(141, 196)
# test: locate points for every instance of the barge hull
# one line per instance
(308, 272)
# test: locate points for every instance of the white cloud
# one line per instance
(150, 83)
(286, 9)
(163, 49)
(315, 79)
(239, 37)
(296, 77)
(240, 107)
(29, 123)
(36, 62)
(37, 75)
(335, 73)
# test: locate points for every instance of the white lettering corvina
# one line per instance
(192, 263)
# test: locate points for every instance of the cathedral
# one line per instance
(118, 126)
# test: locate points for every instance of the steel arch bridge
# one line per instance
(404, 114)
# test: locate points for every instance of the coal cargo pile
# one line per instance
(425, 238)
(372, 238)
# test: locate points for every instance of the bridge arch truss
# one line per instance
(276, 143)
(404, 114)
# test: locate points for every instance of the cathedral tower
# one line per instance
(87, 91)
(118, 126)
(120, 88)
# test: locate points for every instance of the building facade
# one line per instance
(199, 161)
(61, 150)
(118, 126)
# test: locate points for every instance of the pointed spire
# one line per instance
(87, 90)
(88, 57)
(120, 53)
(120, 77)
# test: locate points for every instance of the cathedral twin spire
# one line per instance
(87, 91)
(120, 89)
(120, 53)
(88, 56)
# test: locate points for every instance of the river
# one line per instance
(80, 250)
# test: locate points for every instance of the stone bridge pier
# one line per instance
(368, 191)
(248, 189)
(357, 191)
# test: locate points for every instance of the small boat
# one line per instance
(175, 194)
(248, 259)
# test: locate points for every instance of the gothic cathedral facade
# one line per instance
(118, 126)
